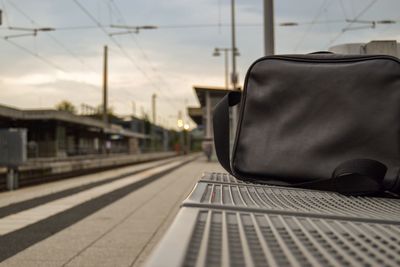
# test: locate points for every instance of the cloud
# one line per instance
(166, 61)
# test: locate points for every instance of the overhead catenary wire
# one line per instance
(73, 28)
(343, 9)
(243, 25)
(144, 73)
(4, 13)
(316, 16)
(327, 25)
(52, 37)
(385, 29)
(73, 54)
(353, 11)
(23, 13)
(58, 42)
(144, 54)
(360, 14)
(194, 26)
(135, 40)
(147, 72)
(26, 50)
(41, 58)
(219, 16)
(36, 55)
(123, 50)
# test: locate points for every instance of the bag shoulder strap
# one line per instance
(221, 128)
(355, 176)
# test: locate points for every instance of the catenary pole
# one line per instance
(105, 81)
(234, 77)
(269, 38)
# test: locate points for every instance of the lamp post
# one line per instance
(153, 125)
(105, 86)
(234, 77)
(106, 142)
(184, 137)
(180, 124)
(217, 53)
(186, 127)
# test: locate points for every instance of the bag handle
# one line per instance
(221, 128)
(321, 52)
(356, 176)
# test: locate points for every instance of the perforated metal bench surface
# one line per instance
(226, 222)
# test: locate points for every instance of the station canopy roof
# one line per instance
(196, 113)
(214, 91)
(57, 115)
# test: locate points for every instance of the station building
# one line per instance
(380, 47)
(208, 97)
(54, 133)
(156, 138)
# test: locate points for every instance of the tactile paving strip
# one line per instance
(212, 193)
(220, 178)
(225, 222)
(276, 240)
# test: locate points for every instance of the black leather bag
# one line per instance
(318, 121)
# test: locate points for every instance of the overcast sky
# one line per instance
(167, 61)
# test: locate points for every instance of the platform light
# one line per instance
(180, 123)
(115, 137)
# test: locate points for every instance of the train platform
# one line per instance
(110, 218)
(171, 212)
(42, 170)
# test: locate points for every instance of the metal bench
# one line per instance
(226, 222)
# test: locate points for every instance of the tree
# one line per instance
(99, 110)
(66, 106)
(98, 113)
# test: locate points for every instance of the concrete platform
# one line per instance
(127, 223)
(41, 170)
(28, 193)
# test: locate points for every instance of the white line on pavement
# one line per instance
(24, 218)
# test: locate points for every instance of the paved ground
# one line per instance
(117, 225)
